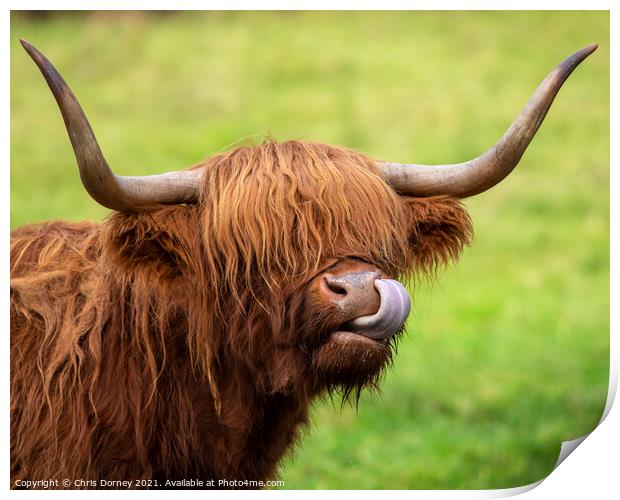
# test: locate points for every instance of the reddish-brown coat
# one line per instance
(180, 342)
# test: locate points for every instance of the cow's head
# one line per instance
(308, 244)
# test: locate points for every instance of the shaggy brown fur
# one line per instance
(177, 342)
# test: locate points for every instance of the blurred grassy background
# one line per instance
(507, 355)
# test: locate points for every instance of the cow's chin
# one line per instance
(350, 360)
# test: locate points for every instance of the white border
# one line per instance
(589, 471)
(311, 5)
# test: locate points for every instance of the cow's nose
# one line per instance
(353, 293)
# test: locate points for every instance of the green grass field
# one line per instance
(507, 354)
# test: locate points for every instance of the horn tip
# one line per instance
(32, 52)
(580, 55)
(590, 48)
(567, 66)
(25, 44)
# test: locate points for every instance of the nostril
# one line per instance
(353, 293)
(333, 286)
(337, 289)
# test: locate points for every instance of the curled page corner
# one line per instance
(568, 447)
(565, 450)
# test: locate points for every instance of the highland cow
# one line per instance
(186, 336)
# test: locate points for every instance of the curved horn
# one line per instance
(475, 176)
(111, 190)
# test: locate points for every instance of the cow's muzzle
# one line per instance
(374, 307)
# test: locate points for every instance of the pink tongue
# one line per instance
(392, 313)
